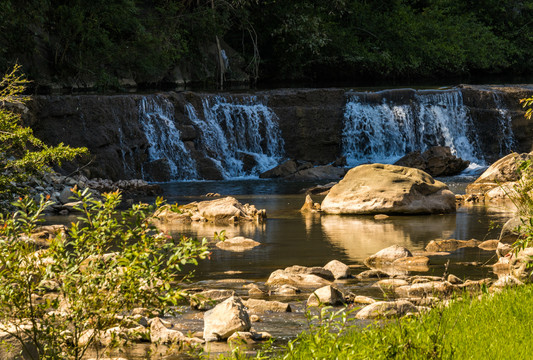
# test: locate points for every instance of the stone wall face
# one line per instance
(310, 120)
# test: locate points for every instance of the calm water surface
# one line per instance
(289, 237)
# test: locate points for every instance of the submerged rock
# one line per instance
(260, 306)
(450, 245)
(372, 274)
(489, 245)
(237, 244)
(388, 189)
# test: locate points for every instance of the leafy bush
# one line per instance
(57, 301)
(22, 155)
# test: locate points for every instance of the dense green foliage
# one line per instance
(490, 327)
(104, 265)
(21, 154)
(104, 41)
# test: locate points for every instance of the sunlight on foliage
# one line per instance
(57, 301)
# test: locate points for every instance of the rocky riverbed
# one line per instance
(245, 303)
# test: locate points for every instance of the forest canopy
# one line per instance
(148, 41)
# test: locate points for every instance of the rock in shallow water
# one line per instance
(225, 319)
(237, 244)
(388, 189)
(386, 309)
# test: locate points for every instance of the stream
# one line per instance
(289, 237)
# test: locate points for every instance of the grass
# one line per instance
(495, 326)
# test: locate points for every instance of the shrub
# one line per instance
(106, 264)
(22, 155)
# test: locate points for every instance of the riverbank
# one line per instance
(484, 326)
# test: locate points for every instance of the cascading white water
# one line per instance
(156, 115)
(386, 131)
(506, 140)
(234, 129)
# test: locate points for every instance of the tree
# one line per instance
(22, 155)
(57, 302)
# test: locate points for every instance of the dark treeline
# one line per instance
(99, 42)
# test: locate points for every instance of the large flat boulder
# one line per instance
(388, 189)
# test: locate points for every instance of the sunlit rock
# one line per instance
(388, 189)
(225, 319)
(387, 256)
(338, 269)
(282, 277)
(450, 245)
(327, 295)
(386, 309)
(237, 244)
(260, 306)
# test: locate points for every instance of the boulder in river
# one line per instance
(284, 169)
(338, 269)
(314, 270)
(388, 189)
(226, 210)
(424, 289)
(503, 172)
(324, 172)
(225, 319)
(386, 309)
(207, 299)
(387, 256)
(283, 277)
(309, 205)
(237, 244)
(327, 295)
(450, 245)
(436, 161)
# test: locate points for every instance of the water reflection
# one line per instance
(361, 237)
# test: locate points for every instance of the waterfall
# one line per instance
(241, 136)
(506, 140)
(156, 115)
(387, 130)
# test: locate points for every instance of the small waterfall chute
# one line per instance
(387, 130)
(156, 115)
(506, 140)
(241, 136)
